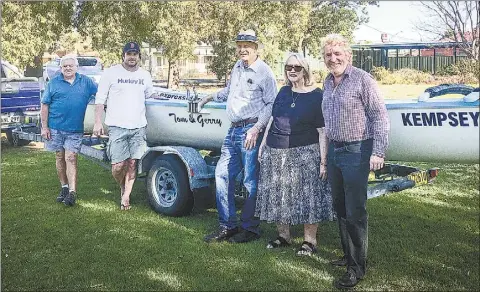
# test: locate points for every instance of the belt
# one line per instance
(243, 123)
(343, 144)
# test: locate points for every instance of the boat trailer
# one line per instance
(179, 177)
(396, 178)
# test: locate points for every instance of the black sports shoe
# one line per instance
(243, 236)
(62, 195)
(341, 262)
(347, 281)
(70, 199)
(221, 235)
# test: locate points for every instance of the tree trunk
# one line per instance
(150, 59)
(168, 75)
(173, 75)
(176, 76)
(301, 47)
(37, 69)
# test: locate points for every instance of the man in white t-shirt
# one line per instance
(125, 87)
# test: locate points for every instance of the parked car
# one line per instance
(20, 100)
(90, 66)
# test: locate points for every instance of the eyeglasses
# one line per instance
(68, 66)
(297, 68)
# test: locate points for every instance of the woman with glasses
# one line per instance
(293, 186)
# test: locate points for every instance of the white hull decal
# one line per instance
(429, 119)
(199, 119)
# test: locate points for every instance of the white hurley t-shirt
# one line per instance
(125, 93)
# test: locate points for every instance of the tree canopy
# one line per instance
(111, 24)
(174, 27)
(281, 26)
(31, 28)
(457, 21)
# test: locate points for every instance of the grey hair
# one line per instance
(69, 57)
(335, 39)
(307, 74)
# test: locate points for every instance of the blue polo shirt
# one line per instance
(68, 102)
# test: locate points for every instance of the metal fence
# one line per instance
(432, 64)
(426, 57)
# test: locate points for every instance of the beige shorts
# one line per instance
(126, 143)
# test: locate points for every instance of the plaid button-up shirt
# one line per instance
(354, 110)
(250, 93)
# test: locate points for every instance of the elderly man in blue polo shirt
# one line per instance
(250, 94)
(64, 103)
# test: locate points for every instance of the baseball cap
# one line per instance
(131, 46)
(247, 36)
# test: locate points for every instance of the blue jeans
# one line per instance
(348, 169)
(233, 160)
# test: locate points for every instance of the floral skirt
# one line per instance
(290, 190)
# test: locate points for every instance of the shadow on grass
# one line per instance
(414, 244)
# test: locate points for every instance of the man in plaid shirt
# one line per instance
(356, 123)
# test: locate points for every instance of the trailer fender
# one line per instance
(198, 172)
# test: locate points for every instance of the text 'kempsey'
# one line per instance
(454, 119)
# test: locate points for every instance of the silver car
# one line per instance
(90, 66)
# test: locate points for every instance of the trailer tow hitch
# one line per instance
(395, 178)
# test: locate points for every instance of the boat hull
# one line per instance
(170, 123)
(443, 131)
(438, 130)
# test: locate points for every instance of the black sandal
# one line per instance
(278, 242)
(306, 249)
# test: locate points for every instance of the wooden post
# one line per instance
(381, 56)
(361, 59)
(386, 59)
(371, 63)
(455, 54)
(410, 59)
(419, 53)
(396, 61)
(434, 60)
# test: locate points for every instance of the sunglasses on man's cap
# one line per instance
(297, 68)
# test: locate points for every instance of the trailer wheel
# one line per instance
(15, 141)
(168, 187)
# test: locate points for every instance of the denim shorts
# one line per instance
(62, 140)
(126, 143)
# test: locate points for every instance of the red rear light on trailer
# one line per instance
(432, 173)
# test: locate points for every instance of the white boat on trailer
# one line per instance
(429, 128)
(432, 128)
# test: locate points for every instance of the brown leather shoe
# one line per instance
(221, 235)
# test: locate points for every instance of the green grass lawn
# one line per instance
(426, 238)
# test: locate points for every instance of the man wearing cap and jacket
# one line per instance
(124, 87)
(250, 94)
